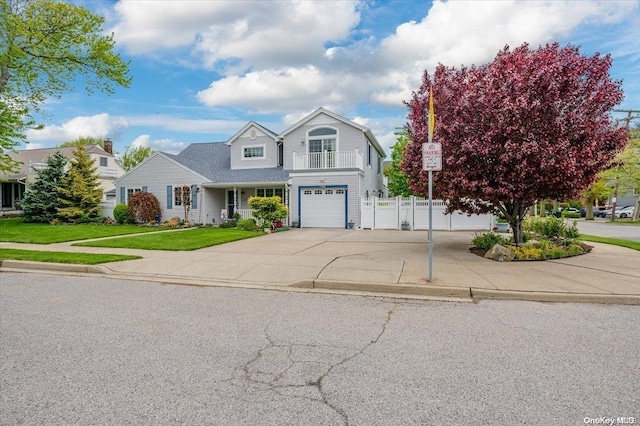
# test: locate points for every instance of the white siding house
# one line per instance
(320, 167)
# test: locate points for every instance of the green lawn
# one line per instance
(63, 257)
(190, 239)
(15, 230)
(635, 245)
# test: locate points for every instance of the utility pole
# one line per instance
(632, 114)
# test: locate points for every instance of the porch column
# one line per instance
(235, 199)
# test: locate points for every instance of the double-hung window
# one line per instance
(181, 193)
(270, 192)
(131, 191)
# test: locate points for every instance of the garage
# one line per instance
(323, 207)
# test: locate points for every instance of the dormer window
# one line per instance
(253, 152)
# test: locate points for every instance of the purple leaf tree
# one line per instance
(530, 125)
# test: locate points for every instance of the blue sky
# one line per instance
(202, 69)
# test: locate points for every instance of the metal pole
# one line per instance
(430, 231)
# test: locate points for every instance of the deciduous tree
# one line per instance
(45, 45)
(530, 125)
(135, 155)
(397, 180)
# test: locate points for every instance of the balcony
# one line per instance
(107, 173)
(328, 160)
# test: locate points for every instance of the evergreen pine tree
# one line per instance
(40, 201)
(80, 192)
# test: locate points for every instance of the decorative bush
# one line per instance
(488, 240)
(550, 227)
(247, 225)
(121, 213)
(267, 210)
(228, 224)
(144, 206)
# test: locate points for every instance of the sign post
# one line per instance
(431, 162)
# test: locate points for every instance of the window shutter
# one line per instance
(123, 199)
(194, 196)
(144, 189)
(169, 197)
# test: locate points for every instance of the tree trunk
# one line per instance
(589, 208)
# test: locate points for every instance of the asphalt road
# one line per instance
(97, 351)
(604, 228)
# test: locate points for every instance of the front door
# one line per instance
(231, 207)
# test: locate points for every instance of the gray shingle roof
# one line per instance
(213, 161)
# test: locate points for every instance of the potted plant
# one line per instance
(501, 224)
(405, 226)
(351, 224)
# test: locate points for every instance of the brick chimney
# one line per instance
(108, 146)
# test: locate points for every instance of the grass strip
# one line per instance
(183, 240)
(63, 257)
(15, 230)
(635, 245)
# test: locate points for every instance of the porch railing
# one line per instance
(328, 160)
(244, 213)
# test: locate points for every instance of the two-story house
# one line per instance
(320, 167)
(15, 183)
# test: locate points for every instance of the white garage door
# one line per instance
(323, 208)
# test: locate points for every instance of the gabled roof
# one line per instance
(40, 155)
(247, 126)
(337, 117)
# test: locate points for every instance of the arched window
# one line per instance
(323, 139)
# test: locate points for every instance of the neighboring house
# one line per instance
(16, 183)
(320, 167)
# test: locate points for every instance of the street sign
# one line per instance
(432, 156)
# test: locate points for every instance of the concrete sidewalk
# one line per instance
(373, 262)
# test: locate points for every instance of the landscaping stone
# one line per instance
(499, 253)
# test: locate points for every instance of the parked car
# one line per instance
(625, 212)
(622, 212)
(601, 211)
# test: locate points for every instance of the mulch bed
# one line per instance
(585, 247)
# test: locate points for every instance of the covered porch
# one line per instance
(223, 201)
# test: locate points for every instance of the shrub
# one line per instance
(228, 224)
(488, 240)
(144, 206)
(247, 225)
(550, 227)
(527, 252)
(268, 210)
(121, 214)
(570, 215)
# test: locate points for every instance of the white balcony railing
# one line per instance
(106, 172)
(328, 160)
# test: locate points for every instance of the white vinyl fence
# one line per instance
(390, 213)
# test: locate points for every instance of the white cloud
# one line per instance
(180, 124)
(34, 145)
(165, 145)
(260, 33)
(98, 126)
(294, 56)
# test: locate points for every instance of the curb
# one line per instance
(541, 296)
(48, 266)
(397, 289)
(380, 289)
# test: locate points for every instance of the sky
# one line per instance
(202, 69)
